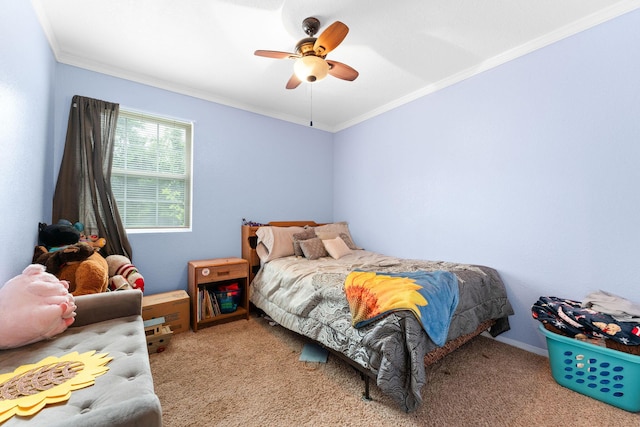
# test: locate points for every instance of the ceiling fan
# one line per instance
(311, 64)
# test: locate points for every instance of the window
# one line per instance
(151, 172)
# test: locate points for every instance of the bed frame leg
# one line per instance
(365, 395)
(359, 370)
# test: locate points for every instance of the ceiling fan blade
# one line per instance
(330, 38)
(342, 71)
(293, 82)
(276, 54)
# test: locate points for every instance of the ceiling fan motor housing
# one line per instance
(305, 46)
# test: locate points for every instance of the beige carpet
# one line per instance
(247, 373)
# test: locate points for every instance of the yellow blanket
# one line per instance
(431, 296)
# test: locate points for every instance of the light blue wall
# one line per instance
(531, 168)
(244, 166)
(26, 72)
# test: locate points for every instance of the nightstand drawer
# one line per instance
(223, 272)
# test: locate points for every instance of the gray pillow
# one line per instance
(308, 233)
(347, 239)
(333, 230)
(313, 248)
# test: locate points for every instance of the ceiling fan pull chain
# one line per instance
(311, 105)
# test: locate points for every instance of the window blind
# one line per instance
(151, 171)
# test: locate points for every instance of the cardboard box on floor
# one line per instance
(173, 306)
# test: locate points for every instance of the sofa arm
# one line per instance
(103, 306)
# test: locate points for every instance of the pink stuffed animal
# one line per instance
(34, 306)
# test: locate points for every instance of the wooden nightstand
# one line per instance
(210, 275)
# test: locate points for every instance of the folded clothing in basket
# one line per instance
(571, 318)
(620, 308)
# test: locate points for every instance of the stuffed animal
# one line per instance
(54, 261)
(55, 235)
(34, 306)
(120, 265)
(93, 239)
(85, 274)
(118, 283)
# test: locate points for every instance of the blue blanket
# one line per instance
(431, 296)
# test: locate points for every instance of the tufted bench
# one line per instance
(111, 323)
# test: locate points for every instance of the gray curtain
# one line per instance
(83, 191)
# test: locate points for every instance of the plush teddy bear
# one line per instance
(120, 265)
(34, 306)
(86, 271)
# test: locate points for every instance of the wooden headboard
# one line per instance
(250, 240)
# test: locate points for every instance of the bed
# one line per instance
(302, 288)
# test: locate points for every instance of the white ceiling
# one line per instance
(403, 49)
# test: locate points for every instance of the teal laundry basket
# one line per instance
(599, 372)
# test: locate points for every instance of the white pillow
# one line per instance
(337, 248)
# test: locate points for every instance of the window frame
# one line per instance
(157, 119)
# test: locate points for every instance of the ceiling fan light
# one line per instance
(310, 68)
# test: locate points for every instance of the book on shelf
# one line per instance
(216, 306)
(208, 305)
